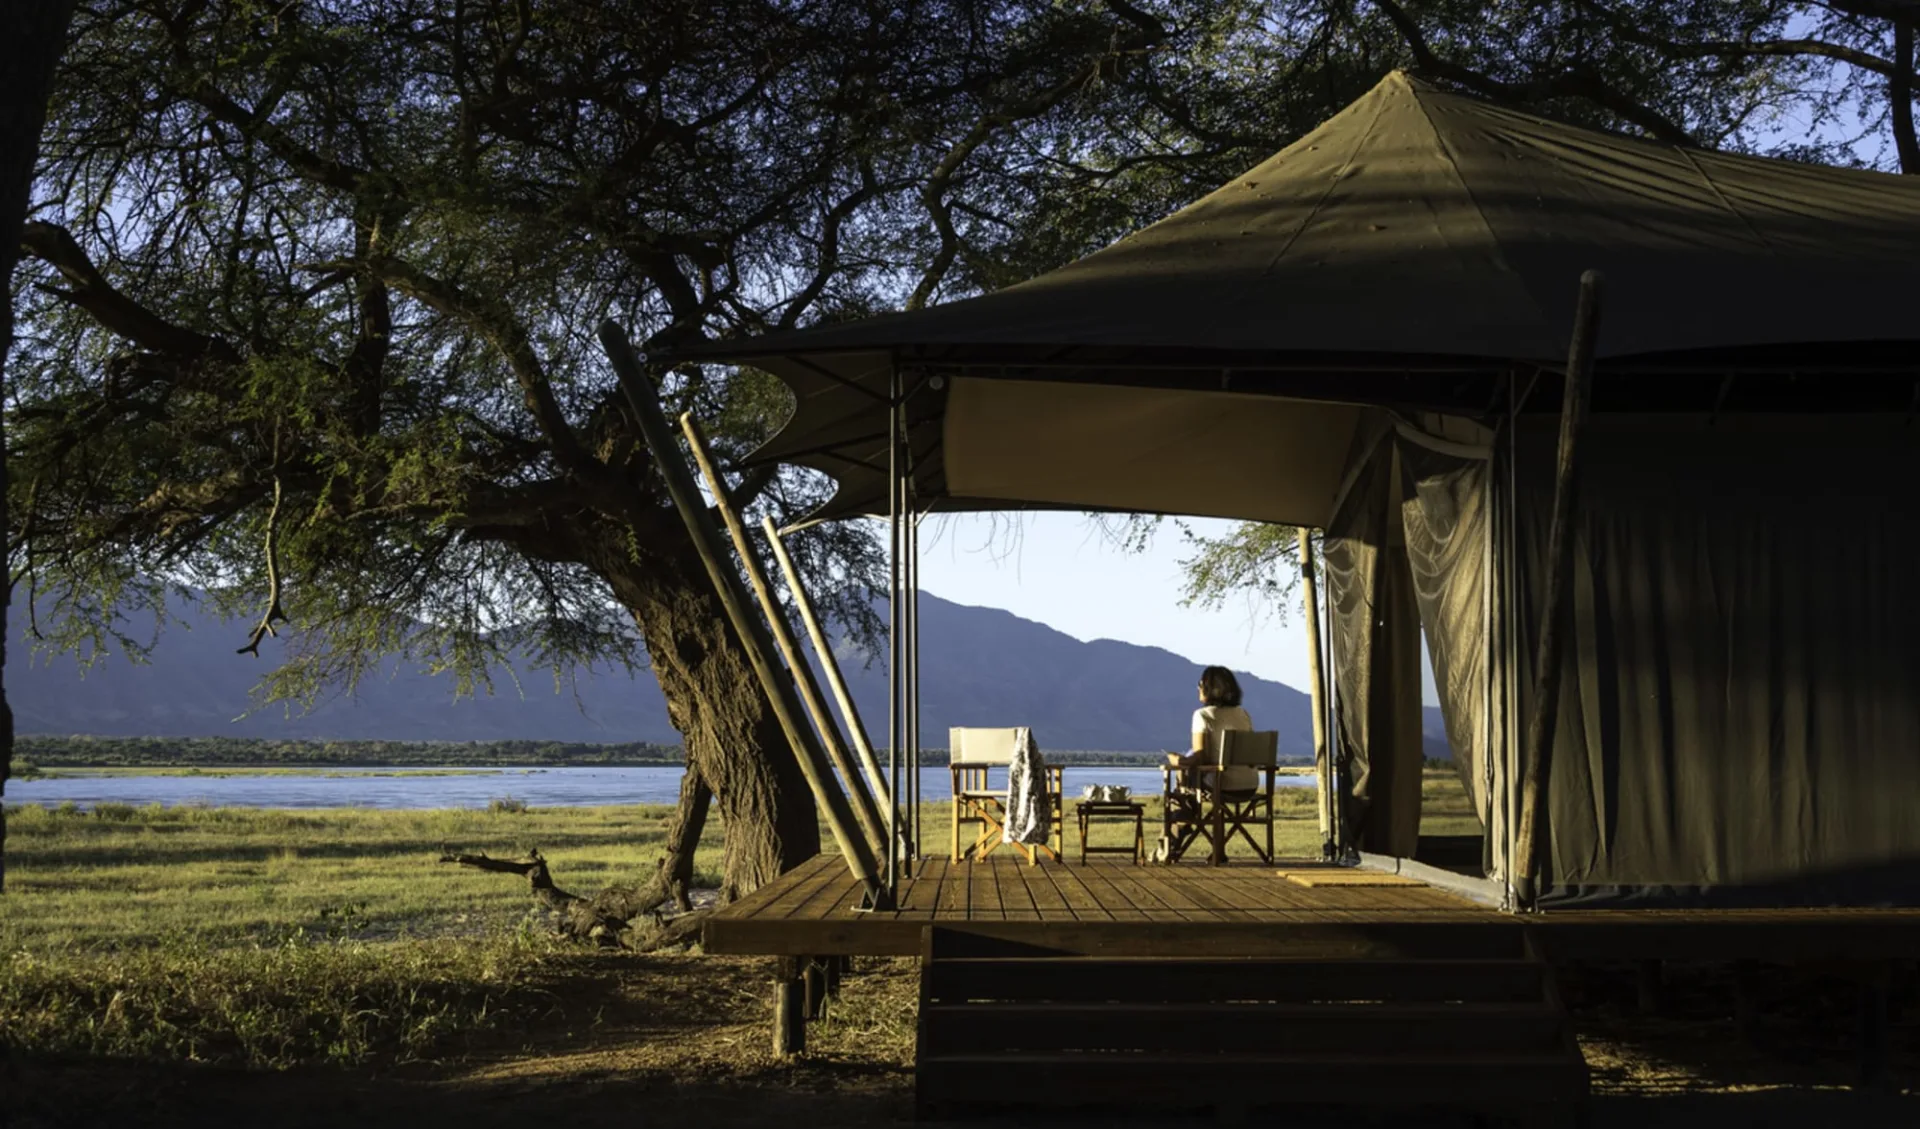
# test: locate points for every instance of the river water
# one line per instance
(538, 787)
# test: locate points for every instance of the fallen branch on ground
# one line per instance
(609, 918)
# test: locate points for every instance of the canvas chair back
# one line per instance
(980, 747)
(1258, 749)
(1240, 752)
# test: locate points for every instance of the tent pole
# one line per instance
(913, 664)
(1560, 539)
(1316, 687)
(893, 615)
(864, 809)
(823, 647)
(645, 404)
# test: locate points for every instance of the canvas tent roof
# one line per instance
(1413, 231)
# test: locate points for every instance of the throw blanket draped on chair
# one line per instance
(1027, 807)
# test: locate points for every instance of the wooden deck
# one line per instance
(1111, 906)
(812, 910)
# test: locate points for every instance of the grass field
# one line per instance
(275, 938)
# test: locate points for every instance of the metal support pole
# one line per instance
(893, 619)
(645, 404)
(913, 662)
(1560, 538)
(823, 647)
(864, 808)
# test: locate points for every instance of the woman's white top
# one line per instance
(1214, 720)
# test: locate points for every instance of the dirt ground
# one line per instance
(683, 1040)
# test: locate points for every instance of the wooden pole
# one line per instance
(645, 403)
(1316, 684)
(864, 808)
(823, 647)
(1557, 600)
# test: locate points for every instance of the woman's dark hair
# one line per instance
(1219, 687)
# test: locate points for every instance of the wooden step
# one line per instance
(1380, 1029)
(1202, 980)
(1467, 937)
(1196, 1081)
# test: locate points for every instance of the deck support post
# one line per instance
(644, 402)
(789, 1008)
(1558, 596)
(1317, 690)
(814, 980)
(1652, 987)
(865, 810)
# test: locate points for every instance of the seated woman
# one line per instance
(1219, 711)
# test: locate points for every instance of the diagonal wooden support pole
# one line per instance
(645, 404)
(823, 647)
(864, 808)
(1317, 687)
(1558, 596)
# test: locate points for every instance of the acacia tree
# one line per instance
(315, 280)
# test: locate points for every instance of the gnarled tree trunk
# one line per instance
(732, 738)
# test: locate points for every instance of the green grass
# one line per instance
(274, 938)
(123, 878)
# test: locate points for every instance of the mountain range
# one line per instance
(979, 666)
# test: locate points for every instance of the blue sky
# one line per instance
(1058, 569)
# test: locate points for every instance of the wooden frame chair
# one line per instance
(1198, 804)
(971, 753)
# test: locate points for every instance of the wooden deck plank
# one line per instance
(920, 895)
(1113, 899)
(952, 905)
(1047, 898)
(1082, 901)
(983, 891)
(1016, 893)
(1154, 882)
(761, 900)
(810, 878)
(1223, 902)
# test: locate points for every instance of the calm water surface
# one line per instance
(539, 787)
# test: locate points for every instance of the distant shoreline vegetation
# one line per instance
(40, 751)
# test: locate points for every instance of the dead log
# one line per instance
(604, 919)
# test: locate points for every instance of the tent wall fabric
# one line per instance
(1376, 656)
(1162, 450)
(1446, 517)
(1738, 721)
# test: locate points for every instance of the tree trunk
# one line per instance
(36, 33)
(1900, 95)
(732, 738)
(683, 837)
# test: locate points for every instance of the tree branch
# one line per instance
(273, 612)
(90, 291)
(1567, 84)
(496, 324)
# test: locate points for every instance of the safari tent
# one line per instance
(1367, 334)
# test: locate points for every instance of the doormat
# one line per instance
(1342, 876)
